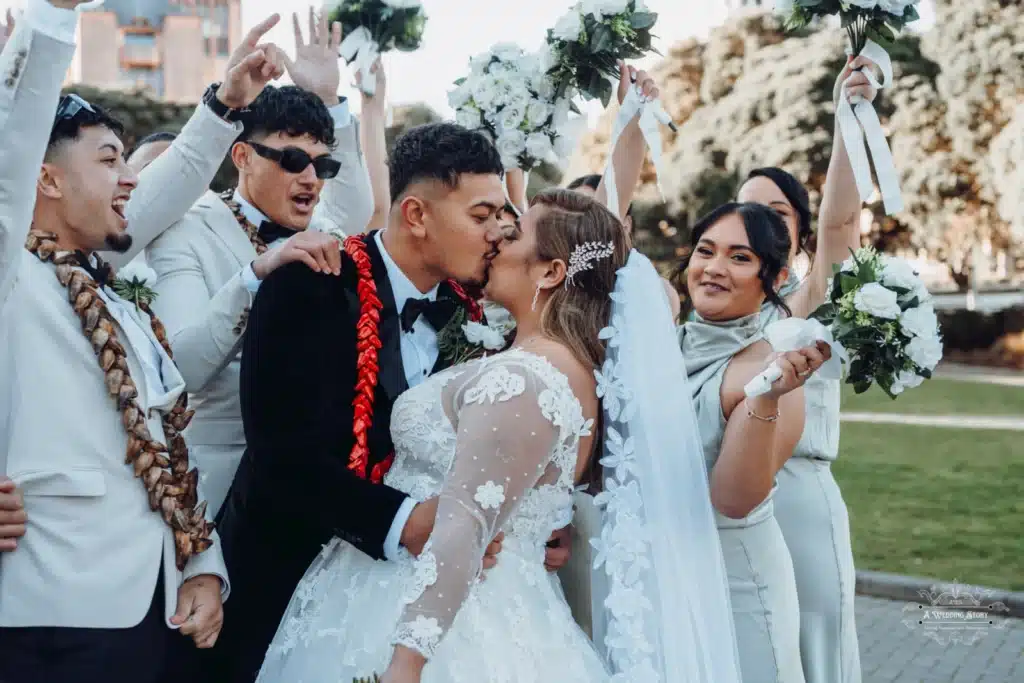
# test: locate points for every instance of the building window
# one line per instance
(216, 28)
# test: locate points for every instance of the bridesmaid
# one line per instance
(808, 504)
(737, 263)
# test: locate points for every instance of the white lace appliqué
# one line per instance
(624, 546)
(490, 495)
(421, 634)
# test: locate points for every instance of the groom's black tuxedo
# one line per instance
(293, 491)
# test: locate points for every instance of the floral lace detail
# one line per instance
(498, 385)
(624, 546)
(423, 574)
(423, 634)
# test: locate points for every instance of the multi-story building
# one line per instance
(171, 49)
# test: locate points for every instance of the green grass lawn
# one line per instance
(940, 397)
(942, 503)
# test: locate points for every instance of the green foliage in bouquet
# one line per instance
(883, 334)
(375, 679)
(393, 24)
(589, 60)
(879, 20)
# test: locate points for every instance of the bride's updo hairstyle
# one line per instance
(576, 314)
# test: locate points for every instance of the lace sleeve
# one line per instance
(505, 441)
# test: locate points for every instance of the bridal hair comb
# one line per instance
(583, 257)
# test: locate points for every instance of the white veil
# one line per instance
(660, 592)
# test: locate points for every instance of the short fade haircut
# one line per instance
(289, 110)
(70, 129)
(441, 152)
(593, 181)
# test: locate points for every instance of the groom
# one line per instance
(323, 361)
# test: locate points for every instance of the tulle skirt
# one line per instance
(515, 626)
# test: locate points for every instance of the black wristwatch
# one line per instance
(219, 108)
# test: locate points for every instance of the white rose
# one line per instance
(510, 144)
(488, 337)
(905, 380)
(866, 4)
(926, 352)
(538, 146)
(478, 65)
(538, 112)
(896, 272)
(604, 8)
(543, 86)
(546, 58)
(485, 92)
(896, 7)
(468, 118)
(137, 271)
(461, 95)
(920, 321)
(876, 300)
(568, 28)
(402, 4)
(507, 52)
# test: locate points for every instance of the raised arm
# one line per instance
(170, 185)
(506, 432)
(33, 65)
(345, 203)
(298, 366)
(839, 215)
(373, 124)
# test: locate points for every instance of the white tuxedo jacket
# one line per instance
(204, 303)
(93, 549)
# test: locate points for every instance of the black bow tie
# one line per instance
(437, 313)
(270, 232)
(101, 272)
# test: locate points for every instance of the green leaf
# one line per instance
(643, 20)
(460, 81)
(910, 14)
(848, 282)
(861, 385)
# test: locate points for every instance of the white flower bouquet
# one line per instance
(879, 310)
(371, 27)
(877, 20)
(509, 95)
(591, 38)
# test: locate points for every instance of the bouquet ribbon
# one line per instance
(790, 334)
(651, 115)
(361, 47)
(858, 122)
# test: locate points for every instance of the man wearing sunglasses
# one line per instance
(300, 172)
(92, 589)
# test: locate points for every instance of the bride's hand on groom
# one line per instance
(318, 250)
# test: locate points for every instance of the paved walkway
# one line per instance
(977, 373)
(957, 421)
(897, 648)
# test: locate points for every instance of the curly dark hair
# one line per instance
(442, 152)
(289, 110)
(768, 237)
(69, 129)
(797, 196)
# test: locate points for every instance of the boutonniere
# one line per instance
(134, 283)
(463, 339)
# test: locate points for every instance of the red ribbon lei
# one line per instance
(368, 345)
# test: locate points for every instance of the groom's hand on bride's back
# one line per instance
(556, 555)
(318, 250)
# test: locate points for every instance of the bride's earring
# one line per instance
(536, 296)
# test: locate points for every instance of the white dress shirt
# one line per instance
(419, 354)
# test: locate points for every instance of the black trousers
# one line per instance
(44, 654)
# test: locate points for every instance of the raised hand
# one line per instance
(378, 100)
(797, 366)
(858, 84)
(6, 29)
(318, 250)
(315, 68)
(629, 76)
(251, 67)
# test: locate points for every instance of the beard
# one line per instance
(119, 243)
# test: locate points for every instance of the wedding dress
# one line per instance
(497, 440)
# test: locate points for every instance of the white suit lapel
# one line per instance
(218, 217)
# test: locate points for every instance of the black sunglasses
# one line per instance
(294, 160)
(69, 107)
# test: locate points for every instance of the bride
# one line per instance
(502, 440)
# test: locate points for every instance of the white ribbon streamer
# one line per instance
(361, 47)
(859, 121)
(651, 115)
(790, 334)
